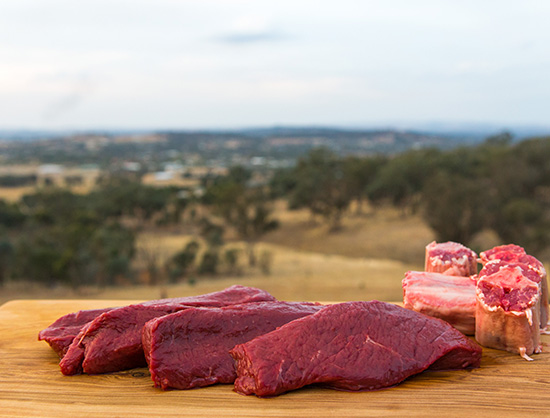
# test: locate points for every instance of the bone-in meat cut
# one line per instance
(514, 254)
(451, 298)
(112, 341)
(450, 258)
(350, 346)
(190, 348)
(508, 312)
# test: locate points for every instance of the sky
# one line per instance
(167, 64)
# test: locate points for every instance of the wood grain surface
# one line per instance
(32, 385)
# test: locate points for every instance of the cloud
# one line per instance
(248, 29)
(247, 38)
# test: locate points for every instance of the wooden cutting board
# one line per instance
(32, 385)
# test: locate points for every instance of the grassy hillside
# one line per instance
(296, 275)
(384, 233)
(366, 259)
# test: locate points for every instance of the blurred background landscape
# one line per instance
(168, 148)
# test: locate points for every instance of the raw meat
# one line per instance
(451, 298)
(350, 346)
(495, 265)
(508, 312)
(190, 348)
(501, 252)
(514, 254)
(62, 332)
(112, 341)
(450, 258)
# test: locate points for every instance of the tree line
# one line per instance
(498, 185)
(55, 236)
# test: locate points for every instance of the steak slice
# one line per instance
(508, 312)
(451, 298)
(450, 258)
(62, 332)
(190, 348)
(350, 346)
(112, 341)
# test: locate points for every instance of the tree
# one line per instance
(524, 222)
(402, 178)
(53, 245)
(51, 206)
(247, 209)
(212, 232)
(11, 215)
(231, 259)
(113, 248)
(66, 241)
(181, 263)
(521, 191)
(501, 139)
(120, 196)
(321, 186)
(209, 262)
(455, 207)
(39, 257)
(358, 174)
(282, 183)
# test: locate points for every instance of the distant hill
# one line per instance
(270, 147)
(293, 140)
(461, 131)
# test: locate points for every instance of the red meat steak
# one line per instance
(190, 348)
(62, 332)
(350, 346)
(112, 341)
